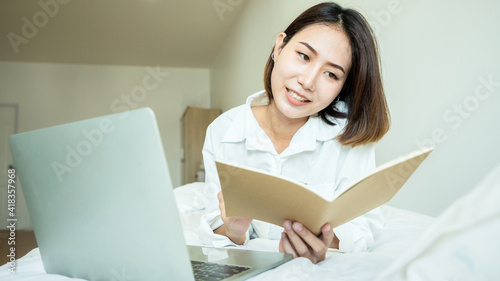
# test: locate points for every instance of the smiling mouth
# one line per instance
(296, 96)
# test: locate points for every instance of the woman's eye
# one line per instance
(303, 56)
(332, 75)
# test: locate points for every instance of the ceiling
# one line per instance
(170, 33)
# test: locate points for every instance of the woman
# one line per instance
(322, 110)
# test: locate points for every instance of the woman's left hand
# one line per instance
(300, 242)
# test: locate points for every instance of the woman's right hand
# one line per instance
(235, 228)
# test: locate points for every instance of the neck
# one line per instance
(281, 125)
(277, 126)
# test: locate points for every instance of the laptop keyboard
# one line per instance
(207, 271)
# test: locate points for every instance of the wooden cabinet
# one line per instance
(194, 126)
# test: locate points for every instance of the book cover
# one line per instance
(258, 194)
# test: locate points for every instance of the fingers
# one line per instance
(294, 232)
(220, 197)
(327, 234)
(234, 228)
(222, 206)
(301, 242)
(286, 246)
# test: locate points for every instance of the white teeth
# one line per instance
(295, 96)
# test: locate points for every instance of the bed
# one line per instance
(463, 241)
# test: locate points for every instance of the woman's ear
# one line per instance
(279, 45)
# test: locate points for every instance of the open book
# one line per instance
(273, 198)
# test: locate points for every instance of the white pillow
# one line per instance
(190, 197)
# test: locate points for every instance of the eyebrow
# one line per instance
(316, 53)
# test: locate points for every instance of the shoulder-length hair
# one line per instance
(367, 114)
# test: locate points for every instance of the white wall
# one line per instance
(436, 57)
(52, 94)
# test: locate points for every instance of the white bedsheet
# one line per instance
(400, 232)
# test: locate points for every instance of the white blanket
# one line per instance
(400, 233)
(461, 244)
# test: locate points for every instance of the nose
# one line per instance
(307, 78)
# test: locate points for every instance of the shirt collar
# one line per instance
(244, 123)
(313, 131)
(328, 132)
(246, 127)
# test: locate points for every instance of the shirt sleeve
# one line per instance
(358, 234)
(211, 219)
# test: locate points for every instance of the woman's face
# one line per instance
(310, 70)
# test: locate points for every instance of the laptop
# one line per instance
(100, 199)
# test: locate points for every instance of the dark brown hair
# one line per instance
(367, 111)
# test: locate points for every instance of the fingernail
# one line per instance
(297, 226)
(328, 228)
(287, 224)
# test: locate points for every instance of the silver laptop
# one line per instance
(100, 199)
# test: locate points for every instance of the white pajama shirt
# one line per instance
(313, 157)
